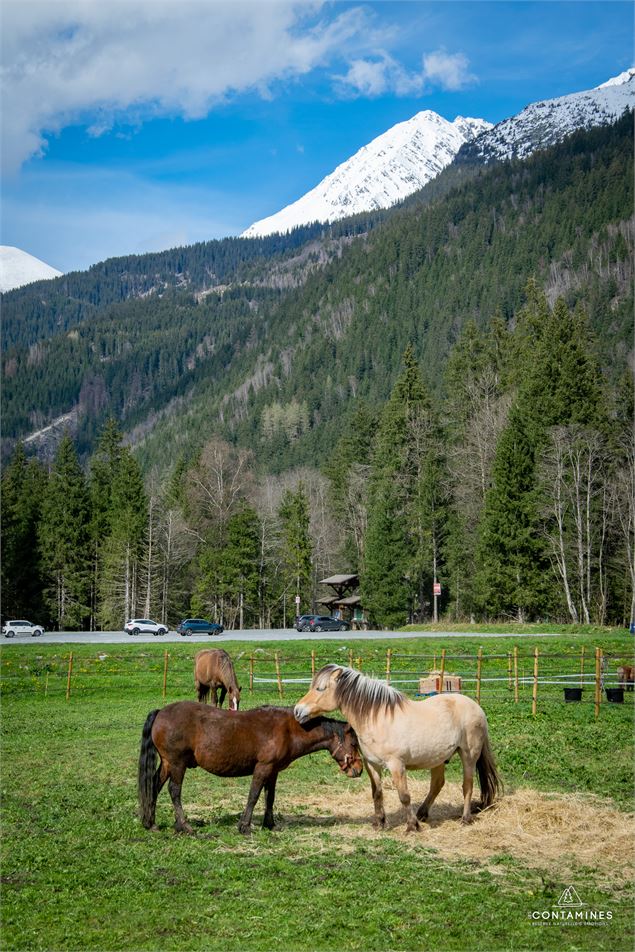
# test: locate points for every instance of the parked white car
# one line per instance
(21, 627)
(136, 625)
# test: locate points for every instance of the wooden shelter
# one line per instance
(343, 602)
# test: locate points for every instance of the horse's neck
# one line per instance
(308, 742)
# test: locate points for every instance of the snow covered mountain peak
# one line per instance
(624, 77)
(18, 268)
(392, 166)
(542, 124)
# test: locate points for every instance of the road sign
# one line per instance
(297, 599)
(437, 588)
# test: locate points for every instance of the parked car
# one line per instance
(12, 628)
(199, 626)
(136, 625)
(323, 623)
(302, 621)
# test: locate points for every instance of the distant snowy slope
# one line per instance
(392, 166)
(542, 124)
(18, 268)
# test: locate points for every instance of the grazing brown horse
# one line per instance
(399, 734)
(626, 676)
(262, 742)
(213, 670)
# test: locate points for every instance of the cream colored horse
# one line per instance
(399, 734)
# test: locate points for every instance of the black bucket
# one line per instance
(572, 694)
(615, 695)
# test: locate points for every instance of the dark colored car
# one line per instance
(199, 626)
(322, 623)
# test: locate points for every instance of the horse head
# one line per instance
(321, 696)
(347, 754)
(233, 694)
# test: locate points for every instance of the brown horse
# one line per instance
(262, 742)
(626, 676)
(399, 734)
(213, 670)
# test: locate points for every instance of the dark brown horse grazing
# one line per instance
(261, 742)
(626, 676)
(213, 670)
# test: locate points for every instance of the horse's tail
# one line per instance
(147, 770)
(490, 783)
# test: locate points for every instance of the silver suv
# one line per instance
(12, 628)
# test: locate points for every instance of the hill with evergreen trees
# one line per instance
(272, 342)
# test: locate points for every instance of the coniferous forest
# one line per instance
(436, 394)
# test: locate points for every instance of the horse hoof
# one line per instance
(244, 829)
(467, 820)
(413, 827)
(379, 823)
(183, 828)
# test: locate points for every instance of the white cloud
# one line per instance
(448, 70)
(382, 75)
(378, 76)
(94, 61)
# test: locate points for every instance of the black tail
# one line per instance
(147, 770)
(490, 782)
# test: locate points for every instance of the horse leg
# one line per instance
(437, 781)
(398, 771)
(468, 785)
(214, 697)
(223, 692)
(270, 791)
(260, 778)
(379, 820)
(174, 786)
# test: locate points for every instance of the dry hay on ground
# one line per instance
(538, 829)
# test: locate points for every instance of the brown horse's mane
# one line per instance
(227, 668)
(359, 694)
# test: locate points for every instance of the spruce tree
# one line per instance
(296, 549)
(64, 540)
(23, 487)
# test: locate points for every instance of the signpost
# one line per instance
(436, 591)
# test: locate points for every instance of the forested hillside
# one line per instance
(270, 342)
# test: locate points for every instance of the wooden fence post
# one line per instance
(597, 682)
(165, 674)
(442, 670)
(350, 658)
(516, 673)
(358, 664)
(312, 663)
(251, 674)
(68, 678)
(280, 690)
(509, 670)
(479, 663)
(582, 667)
(388, 663)
(534, 697)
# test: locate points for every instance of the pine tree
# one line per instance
(121, 551)
(23, 487)
(64, 540)
(511, 561)
(296, 547)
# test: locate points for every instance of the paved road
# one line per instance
(268, 634)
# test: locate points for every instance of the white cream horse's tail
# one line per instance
(488, 778)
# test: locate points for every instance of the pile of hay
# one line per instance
(538, 829)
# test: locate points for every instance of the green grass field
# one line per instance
(79, 871)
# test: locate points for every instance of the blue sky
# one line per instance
(131, 126)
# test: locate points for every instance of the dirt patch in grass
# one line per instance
(536, 829)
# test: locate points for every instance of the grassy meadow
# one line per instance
(80, 873)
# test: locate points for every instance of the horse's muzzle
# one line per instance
(301, 714)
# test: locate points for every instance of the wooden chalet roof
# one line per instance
(340, 580)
